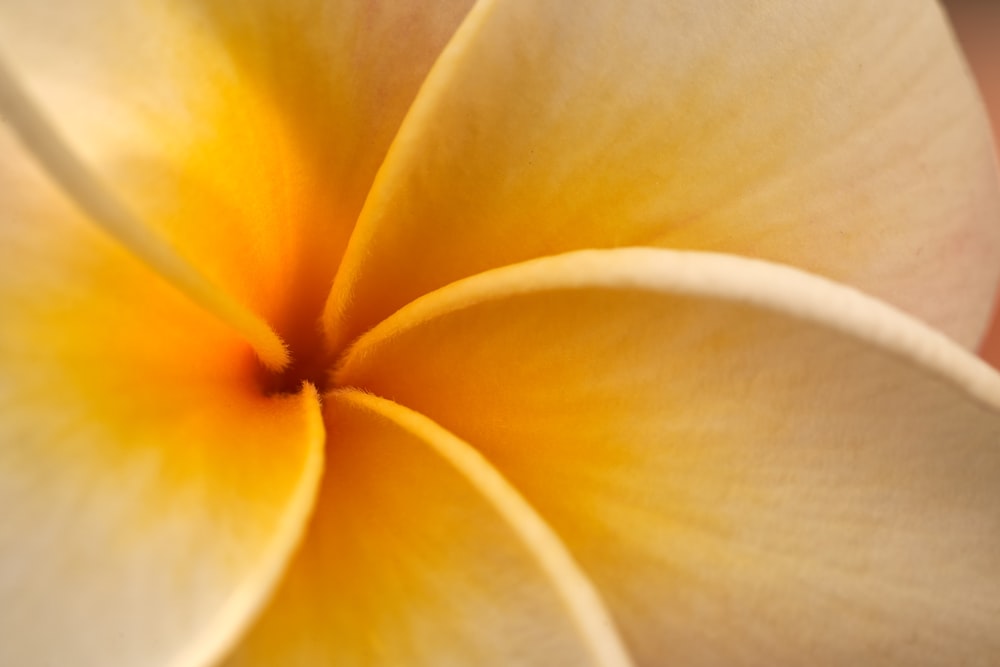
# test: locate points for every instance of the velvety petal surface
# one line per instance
(845, 138)
(149, 492)
(755, 466)
(421, 554)
(247, 132)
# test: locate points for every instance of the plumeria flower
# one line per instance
(338, 332)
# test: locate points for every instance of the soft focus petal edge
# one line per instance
(754, 282)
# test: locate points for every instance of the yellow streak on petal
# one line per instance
(582, 601)
(844, 138)
(82, 185)
(248, 600)
(754, 465)
(152, 527)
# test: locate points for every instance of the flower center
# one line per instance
(287, 339)
(81, 184)
(310, 362)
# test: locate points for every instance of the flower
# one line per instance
(344, 333)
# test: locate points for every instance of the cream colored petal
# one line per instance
(247, 132)
(755, 466)
(844, 138)
(421, 554)
(150, 494)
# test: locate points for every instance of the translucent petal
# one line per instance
(421, 554)
(248, 133)
(755, 466)
(150, 494)
(845, 138)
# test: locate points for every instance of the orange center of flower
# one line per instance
(269, 290)
(309, 363)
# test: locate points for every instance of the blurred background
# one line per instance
(977, 23)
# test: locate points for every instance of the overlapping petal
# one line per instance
(421, 554)
(755, 466)
(247, 132)
(844, 138)
(150, 492)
